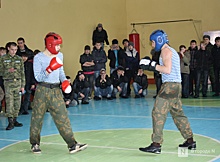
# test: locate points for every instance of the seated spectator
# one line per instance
(81, 88)
(103, 86)
(29, 83)
(69, 97)
(140, 84)
(120, 83)
(116, 55)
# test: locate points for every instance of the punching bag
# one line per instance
(134, 37)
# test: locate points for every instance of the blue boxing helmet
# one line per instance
(160, 38)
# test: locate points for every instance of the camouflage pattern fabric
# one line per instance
(12, 97)
(169, 100)
(51, 99)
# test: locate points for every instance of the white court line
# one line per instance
(123, 116)
(215, 157)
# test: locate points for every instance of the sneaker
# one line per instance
(137, 96)
(36, 149)
(97, 98)
(25, 113)
(151, 149)
(215, 95)
(85, 102)
(190, 146)
(204, 95)
(196, 96)
(142, 96)
(77, 147)
(109, 98)
(155, 96)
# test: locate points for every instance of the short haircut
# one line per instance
(217, 39)
(193, 41)
(125, 40)
(182, 46)
(20, 39)
(68, 77)
(98, 41)
(2, 48)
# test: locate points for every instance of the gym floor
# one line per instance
(114, 130)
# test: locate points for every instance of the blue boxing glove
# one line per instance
(147, 64)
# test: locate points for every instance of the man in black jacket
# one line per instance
(81, 88)
(87, 65)
(203, 56)
(100, 34)
(120, 82)
(69, 99)
(22, 47)
(140, 84)
(29, 84)
(216, 63)
(103, 86)
(116, 55)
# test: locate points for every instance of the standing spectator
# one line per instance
(120, 83)
(81, 88)
(12, 70)
(29, 83)
(116, 55)
(99, 57)
(184, 67)
(125, 44)
(2, 51)
(157, 75)
(103, 86)
(202, 69)
(36, 52)
(22, 47)
(209, 46)
(100, 35)
(69, 97)
(87, 65)
(192, 75)
(216, 63)
(140, 84)
(132, 59)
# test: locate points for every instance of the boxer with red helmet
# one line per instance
(51, 41)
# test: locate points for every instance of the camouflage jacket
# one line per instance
(7, 62)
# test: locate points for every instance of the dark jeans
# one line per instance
(130, 75)
(123, 86)
(217, 78)
(90, 79)
(84, 91)
(192, 80)
(205, 74)
(158, 81)
(185, 84)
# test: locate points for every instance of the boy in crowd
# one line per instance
(140, 84)
(103, 86)
(120, 83)
(81, 88)
(69, 97)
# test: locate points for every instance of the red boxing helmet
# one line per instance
(51, 40)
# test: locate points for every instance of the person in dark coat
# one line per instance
(140, 84)
(22, 47)
(81, 88)
(100, 34)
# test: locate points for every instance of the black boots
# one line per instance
(16, 124)
(12, 122)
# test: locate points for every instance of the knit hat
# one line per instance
(131, 44)
(87, 47)
(79, 73)
(114, 41)
(103, 69)
(206, 36)
(99, 25)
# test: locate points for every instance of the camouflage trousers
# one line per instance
(51, 99)
(169, 100)
(12, 97)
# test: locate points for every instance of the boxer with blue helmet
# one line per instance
(160, 38)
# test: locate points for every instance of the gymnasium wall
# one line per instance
(75, 21)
